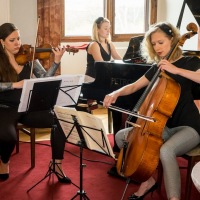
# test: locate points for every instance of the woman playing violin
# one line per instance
(181, 133)
(12, 77)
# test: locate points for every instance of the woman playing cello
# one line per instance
(181, 133)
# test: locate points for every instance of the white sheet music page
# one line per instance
(27, 88)
(70, 89)
(68, 93)
(92, 128)
(67, 123)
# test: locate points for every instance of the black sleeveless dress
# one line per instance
(90, 71)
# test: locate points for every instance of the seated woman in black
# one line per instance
(100, 49)
(12, 77)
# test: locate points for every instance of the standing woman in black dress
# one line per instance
(12, 77)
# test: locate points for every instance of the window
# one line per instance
(127, 17)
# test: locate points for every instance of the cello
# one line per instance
(139, 157)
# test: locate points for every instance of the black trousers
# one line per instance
(9, 117)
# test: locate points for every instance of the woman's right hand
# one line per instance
(109, 99)
(18, 85)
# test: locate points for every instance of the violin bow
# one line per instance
(34, 47)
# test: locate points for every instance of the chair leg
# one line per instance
(32, 139)
(188, 186)
(159, 176)
(110, 121)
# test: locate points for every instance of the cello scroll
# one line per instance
(192, 28)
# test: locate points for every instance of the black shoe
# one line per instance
(62, 178)
(113, 172)
(4, 177)
(134, 197)
(60, 175)
(116, 149)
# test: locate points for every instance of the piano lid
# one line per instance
(194, 6)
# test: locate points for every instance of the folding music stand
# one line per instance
(82, 142)
(43, 96)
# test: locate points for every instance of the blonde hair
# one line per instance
(147, 50)
(97, 25)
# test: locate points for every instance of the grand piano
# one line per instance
(115, 74)
(112, 75)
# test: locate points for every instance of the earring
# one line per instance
(2, 44)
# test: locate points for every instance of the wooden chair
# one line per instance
(192, 157)
(31, 133)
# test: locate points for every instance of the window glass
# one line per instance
(129, 16)
(79, 16)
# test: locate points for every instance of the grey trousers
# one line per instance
(177, 141)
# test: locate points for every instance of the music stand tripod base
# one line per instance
(81, 192)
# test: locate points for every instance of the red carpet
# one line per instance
(96, 182)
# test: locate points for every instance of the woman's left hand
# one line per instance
(165, 65)
(58, 53)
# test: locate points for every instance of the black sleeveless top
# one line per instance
(90, 71)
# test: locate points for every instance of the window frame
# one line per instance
(109, 13)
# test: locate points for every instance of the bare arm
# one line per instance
(194, 76)
(165, 65)
(94, 50)
(126, 90)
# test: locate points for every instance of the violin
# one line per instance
(26, 52)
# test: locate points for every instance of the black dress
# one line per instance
(99, 94)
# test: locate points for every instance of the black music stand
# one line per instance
(43, 96)
(83, 144)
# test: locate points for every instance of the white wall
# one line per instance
(169, 10)
(76, 64)
(23, 13)
(4, 11)
(24, 16)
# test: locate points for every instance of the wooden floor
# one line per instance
(44, 134)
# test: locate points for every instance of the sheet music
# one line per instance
(70, 89)
(93, 138)
(68, 94)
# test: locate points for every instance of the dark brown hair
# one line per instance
(7, 72)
